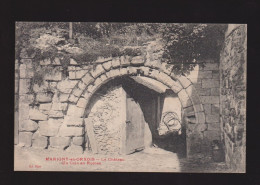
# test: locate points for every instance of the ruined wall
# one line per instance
(233, 96)
(52, 115)
(42, 107)
(205, 78)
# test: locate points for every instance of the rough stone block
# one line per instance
(59, 142)
(56, 114)
(167, 80)
(201, 127)
(53, 86)
(115, 62)
(35, 114)
(66, 86)
(82, 103)
(70, 131)
(214, 126)
(215, 109)
(28, 125)
(125, 60)
(82, 85)
(210, 83)
(45, 62)
(72, 75)
(107, 65)
(73, 62)
(212, 135)
(56, 62)
(26, 98)
(79, 74)
(113, 73)
(197, 84)
(59, 106)
(72, 68)
(132, 70)
(185, 82)
(146, 70)
(77, 92)
(23, 111)
(78, 140)
(50, 127)
(27, 62)
(25, 138)
(73, 110)
(205, 74)
(207, 108)
(24, 86)
(184, 98)
(75, 149)
(97, 71)
(73, 121)
(164, 78)
(42, 88)
(44, 97)
(138, 60)
(200, 116)
(90, 88)
(154, 74)
(87, 79)
(215, 74)
(176, 88)
(191, 91)
(98, 81)
(204, 92)
(25, 72)
(64, 97)
(39, 141)
(103, 78)
(86, 95)
(215, 91)
(53, 76)
(153, 64)
(73, 98)
(209, 99)
(123, 71)
(212, 118)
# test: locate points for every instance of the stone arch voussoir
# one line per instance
(133, 66)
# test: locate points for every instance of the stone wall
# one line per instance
(205, 78)
(42, 107)
(233, 96)
(52, 115)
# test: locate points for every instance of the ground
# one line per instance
(148, 160)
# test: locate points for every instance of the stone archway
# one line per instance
(135, 66)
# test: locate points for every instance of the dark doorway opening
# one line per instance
(151, 103)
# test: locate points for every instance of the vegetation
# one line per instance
(185, 44)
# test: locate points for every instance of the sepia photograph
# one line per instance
(130, 97)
